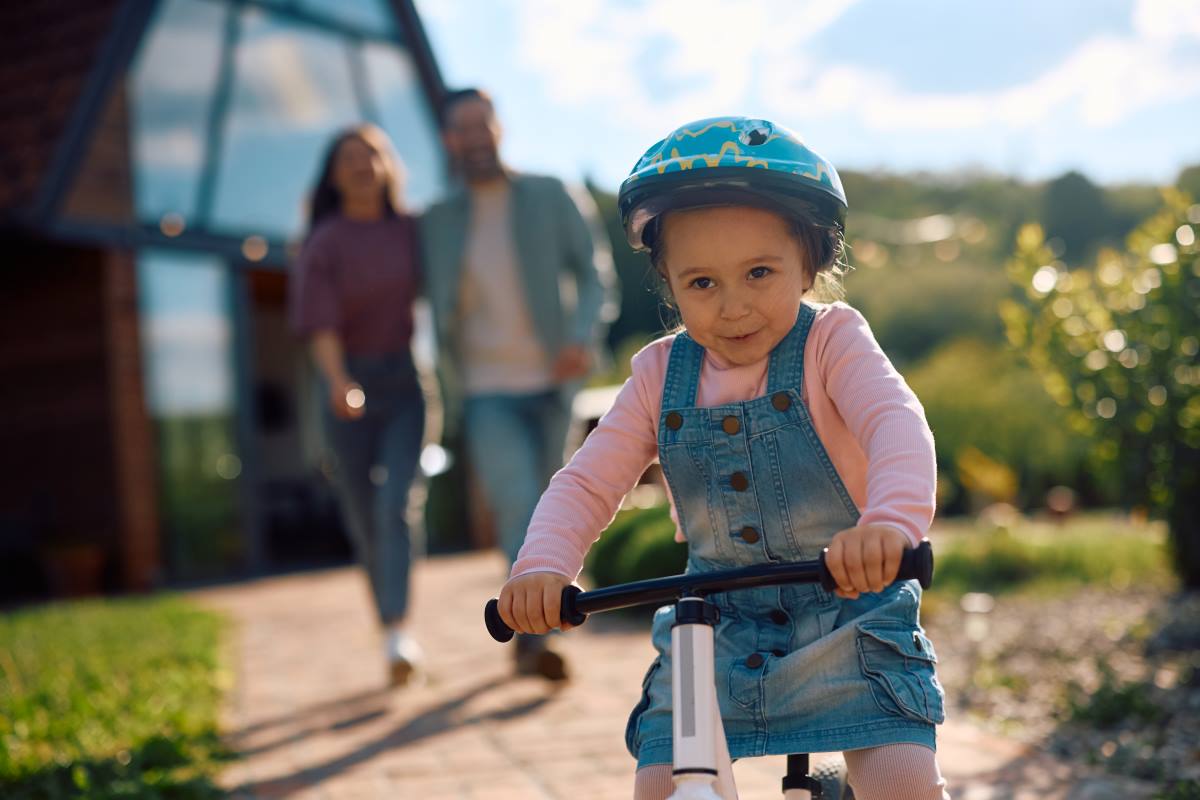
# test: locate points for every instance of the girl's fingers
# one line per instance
(893, 553)
(854, 566)
(519, 613)
(872, 552)
(504, 606)
(833, 561)
(551, 604)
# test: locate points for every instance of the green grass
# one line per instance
(1033, 556)
(110, 698)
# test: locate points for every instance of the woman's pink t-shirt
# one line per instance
(869, 421)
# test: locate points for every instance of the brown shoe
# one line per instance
(534, 657)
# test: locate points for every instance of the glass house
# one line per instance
(154, 164)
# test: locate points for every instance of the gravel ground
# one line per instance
(1103, 676)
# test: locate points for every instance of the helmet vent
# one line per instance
(755, 135)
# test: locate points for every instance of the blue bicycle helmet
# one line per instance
(731, 161)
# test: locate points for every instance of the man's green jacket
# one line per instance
(552, 239)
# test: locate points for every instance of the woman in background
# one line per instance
(353, 289)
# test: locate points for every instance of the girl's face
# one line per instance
(737, 275)
(358, 170)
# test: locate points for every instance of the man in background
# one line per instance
(515, 339)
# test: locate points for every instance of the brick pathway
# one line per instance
(310, 714)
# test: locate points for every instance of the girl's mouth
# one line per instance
(743, 338)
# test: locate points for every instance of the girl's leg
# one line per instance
(653, 783)
(895, 772)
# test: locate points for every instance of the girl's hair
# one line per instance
(824, 251)
(326, 199)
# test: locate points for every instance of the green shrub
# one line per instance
(1180, 790)
(980, 399)
(1113, 702)
(652, 552)
(606, 562)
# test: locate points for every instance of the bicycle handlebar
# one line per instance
(916, 564)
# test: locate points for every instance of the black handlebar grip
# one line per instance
(496, 627)
(569, 613)
(502, 633)
(916, 563)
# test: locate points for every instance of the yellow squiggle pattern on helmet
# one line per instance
(719, 124)
(816, 176)
(712, 161)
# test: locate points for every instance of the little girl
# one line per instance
(782, 429)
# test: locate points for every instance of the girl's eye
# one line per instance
(760, 272)
(702, 283)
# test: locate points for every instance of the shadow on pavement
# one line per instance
(432, 722)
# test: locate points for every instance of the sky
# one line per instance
(1030, 88)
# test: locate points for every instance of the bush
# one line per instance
(1116, 343)
(632, 536)
(1113, 702)
(981, 400)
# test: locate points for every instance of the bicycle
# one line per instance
(702, 768)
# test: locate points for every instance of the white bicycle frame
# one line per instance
(702, 769)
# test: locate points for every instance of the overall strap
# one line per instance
(683, 373)
(786, 367)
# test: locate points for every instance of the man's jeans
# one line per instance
(376, 459)
(515, 442)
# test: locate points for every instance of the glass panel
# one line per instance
(406, 115)
(187, 344)
(292, 92)
(371, 15)
(171, 84)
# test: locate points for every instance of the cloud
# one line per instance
(1167, 19)
(591, 53)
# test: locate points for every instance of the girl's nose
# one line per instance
(734, 305)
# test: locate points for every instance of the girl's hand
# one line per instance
(865, 558)
(532, 603)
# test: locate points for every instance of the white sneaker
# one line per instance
(403, 655)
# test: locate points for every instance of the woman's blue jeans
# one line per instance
(515, 442)
(375, 462)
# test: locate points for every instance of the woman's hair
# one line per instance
(824, 251)
(326, 199)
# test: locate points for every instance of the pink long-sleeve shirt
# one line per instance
(869, 421)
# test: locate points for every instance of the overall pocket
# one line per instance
(631, 727)
(898, 662)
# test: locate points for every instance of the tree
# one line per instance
(1076, 211)
(1189, 180)
(1117, 343)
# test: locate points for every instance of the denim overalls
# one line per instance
(797, 669)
